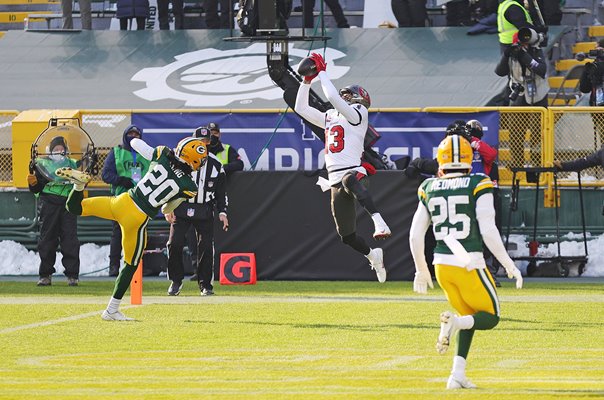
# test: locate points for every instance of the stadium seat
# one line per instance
(568, 91)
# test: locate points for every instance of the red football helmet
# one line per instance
(355, 94)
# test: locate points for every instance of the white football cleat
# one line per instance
(447, 330)
(456, 382)
(376, 260)
(78, 178)
(381, 228)
(115, 316)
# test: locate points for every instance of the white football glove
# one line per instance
(514, 273)
(422, 281)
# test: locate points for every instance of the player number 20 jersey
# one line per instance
(161, 184)
(451, 202)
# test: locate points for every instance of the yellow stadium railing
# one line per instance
(528, 136)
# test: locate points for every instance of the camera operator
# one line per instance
(524, 64)
(592, 78)
(592, 82)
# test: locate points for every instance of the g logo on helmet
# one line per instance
(201, 150)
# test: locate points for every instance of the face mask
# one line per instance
(57, 157)
(214, 141)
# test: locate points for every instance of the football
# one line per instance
(307, 67)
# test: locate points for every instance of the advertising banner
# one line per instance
(281, 142)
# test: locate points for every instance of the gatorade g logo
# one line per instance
(237, 269)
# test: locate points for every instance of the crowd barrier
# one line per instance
(527, 136)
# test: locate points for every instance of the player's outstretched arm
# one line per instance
(309, 113)
(417, 234)
(351, 114)
(485, 215)
(142, 148)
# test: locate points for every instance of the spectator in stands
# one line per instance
(226, 153)
(198, 213)
(225, 20)
(334, 6)
(85, 13)
(458, 13)
(551, 11)
(123, 169)
(409, 12)
(57, 225)
(132, 9)
(164, 14)
(524, 64)
(592, 82)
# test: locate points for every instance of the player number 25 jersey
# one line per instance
(161, 184)
(451, 202)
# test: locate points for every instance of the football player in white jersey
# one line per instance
(459, 206)
(345, 127)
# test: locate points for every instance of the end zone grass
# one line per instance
(293, 340)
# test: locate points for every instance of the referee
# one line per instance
(198, 212)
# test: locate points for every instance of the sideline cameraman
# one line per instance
(592, 82)
(524, 64)
(592, 78)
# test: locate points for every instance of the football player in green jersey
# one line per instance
(459, 205)
(167, 184)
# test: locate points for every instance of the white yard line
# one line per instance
(54, 321)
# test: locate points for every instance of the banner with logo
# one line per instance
(282, 142)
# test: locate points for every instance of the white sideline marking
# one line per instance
(54, 321)
(397, 361)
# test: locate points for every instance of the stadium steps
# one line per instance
(570, 94)
(596, 31)
(564, 65)
(14, 12)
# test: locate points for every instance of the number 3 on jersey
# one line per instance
(334, 139)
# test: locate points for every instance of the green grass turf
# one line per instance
(298, 340)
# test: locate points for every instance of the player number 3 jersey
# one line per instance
(161, 184)
(451, 202)
(343, 140)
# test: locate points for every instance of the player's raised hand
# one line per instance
(319, 62)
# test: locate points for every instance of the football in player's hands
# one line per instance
(307, 67)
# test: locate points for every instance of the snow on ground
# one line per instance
(573, 246)
(94, 260)
(15, 259)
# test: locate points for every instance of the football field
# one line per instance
(294, 340)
